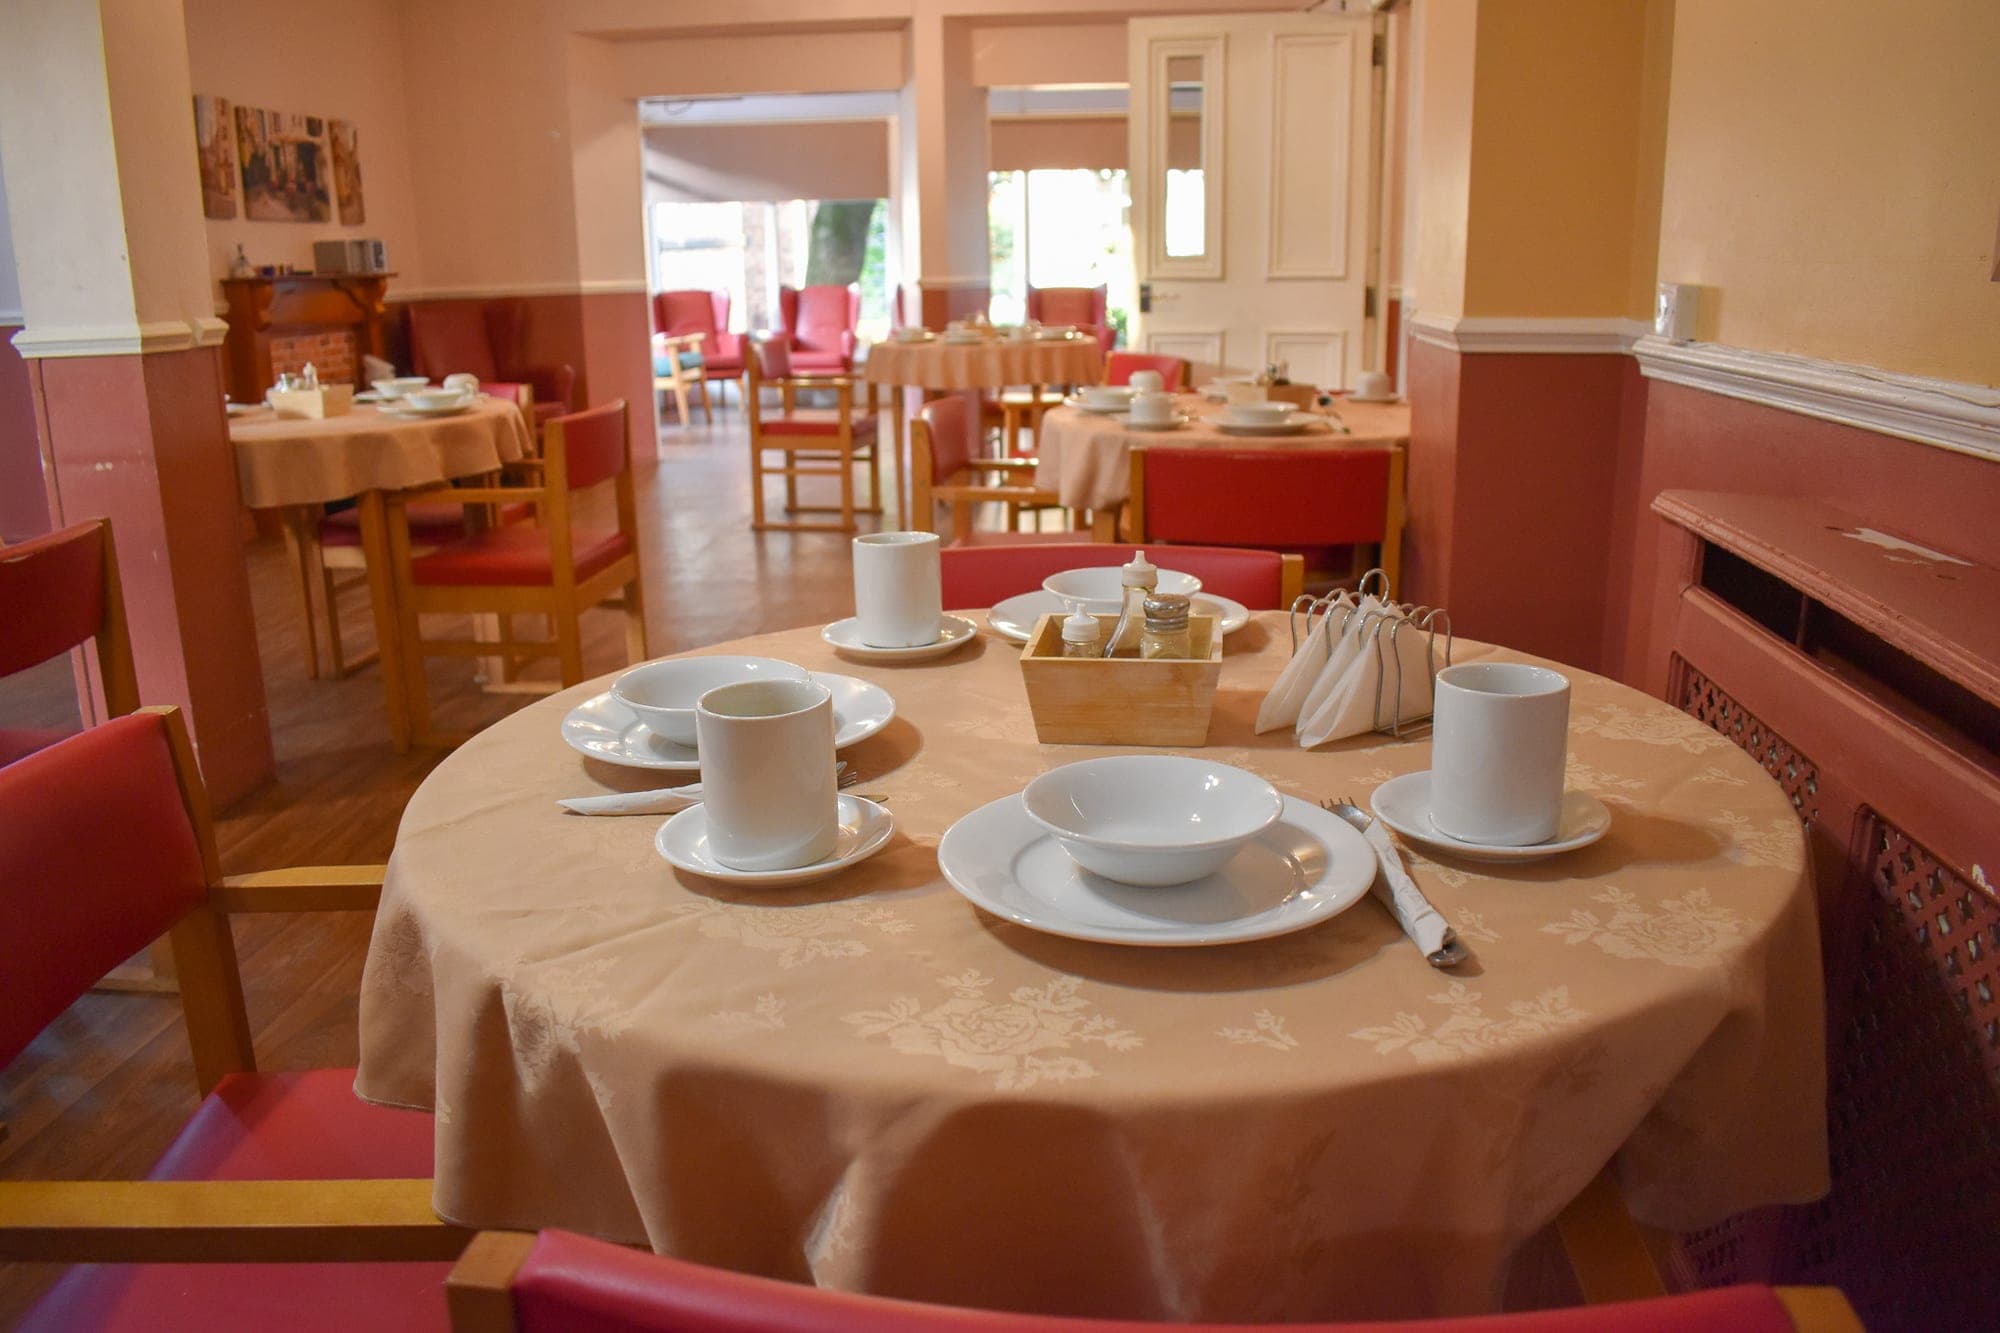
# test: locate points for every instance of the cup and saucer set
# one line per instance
(898, 603)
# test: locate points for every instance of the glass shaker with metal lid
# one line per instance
(1166, 633)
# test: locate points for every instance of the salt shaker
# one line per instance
(1166, 633)
(1136, 579)
(1079, 634)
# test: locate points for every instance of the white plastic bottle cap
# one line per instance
(1079, 626)
(1138, 573)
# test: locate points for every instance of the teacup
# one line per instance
(767, 773)
(1148, 381)
(1499, 741)
(898, 597)
(465, 382)
(1152, 409)
(1373, 386)
(1105, 397)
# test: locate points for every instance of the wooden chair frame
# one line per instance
(680, 379)
(280, 1221)
(812, 455)
(1394, 516)
(962, 493)
(562, 600)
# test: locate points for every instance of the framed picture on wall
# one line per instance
(287, 174)
(347, 173)
(215, 146)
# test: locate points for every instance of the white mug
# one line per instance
(467, 384)
(1499, 740)
(1152, 409)
(1373, 384)
(898, 600)
(767, 773)
(1147, 381)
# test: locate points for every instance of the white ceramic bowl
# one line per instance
(1258, 414)
(1100, 592)
(430, 399)
(399, 386)
(1151, 819)
(1105, 395)
(663, 694)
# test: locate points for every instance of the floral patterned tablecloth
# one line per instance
(868, 1083)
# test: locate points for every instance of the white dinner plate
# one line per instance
(864, 830)
(1106, 410)
(1292, 427)
(1302, 870)
(1404, 804)
(606, 729)
(1180, 419)
(399, 408)
(953, 632)
(1015, 617)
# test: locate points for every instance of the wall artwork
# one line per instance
(347, 173)
(215, 146)
(287, 172)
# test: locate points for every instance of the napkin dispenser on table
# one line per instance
(1121, 700)
(326, 400)
(1367, 664)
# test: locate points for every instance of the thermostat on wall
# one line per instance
(1674, 311)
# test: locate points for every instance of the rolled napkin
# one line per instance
(1395, 890)
(659, 801)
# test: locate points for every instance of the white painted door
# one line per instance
(1249, 167)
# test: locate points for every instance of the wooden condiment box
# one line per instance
(1121, 700)
(328, 400)
(1298, 395)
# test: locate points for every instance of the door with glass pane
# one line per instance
(1249, 166)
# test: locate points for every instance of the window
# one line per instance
(750, 249)
(1059, 228)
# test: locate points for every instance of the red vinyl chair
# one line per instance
(60, 592)
(514, 1282)
(1279, 499)
(683, 312)
(821, 323)
(481, 338)
(1119, 368)
(985, 574)
(944, 470)
(106, 843)
(1084, 307)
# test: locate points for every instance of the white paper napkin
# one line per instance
(1353, 631)
(659, 801)
(1355, 705)
(1288, 698)
(1395, 890)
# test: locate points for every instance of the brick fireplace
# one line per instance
(332, 353)
(278, 324)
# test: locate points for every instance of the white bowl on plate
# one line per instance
(1258, 414)
(430, 400)
(401, 385)
(1151, 819)
(1101, 593)
(1105, 397)
(663, 694)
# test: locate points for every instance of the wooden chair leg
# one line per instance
(635, 620)
(416, 684)
(569, 645)
(756, 485)
(295, 538)
(847, 490)
(706, 415)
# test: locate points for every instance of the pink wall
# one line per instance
(24, 507)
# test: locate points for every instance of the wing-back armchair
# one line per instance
(820, 321)
(706, 313)
(1084, 307)
(484, 338)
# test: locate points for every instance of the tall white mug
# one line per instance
(767, 773)
(1499, 738)
(898, 599)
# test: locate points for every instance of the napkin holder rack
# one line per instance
(1121, 700)
(1382, 626)
(328, 400)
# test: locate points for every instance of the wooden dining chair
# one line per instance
(677, 369)
(809, 442)
(261, 1212)
(555, 1282)
(1176, 372)
(555, 569)
(57, 593)
(689, 311)
(1281, 499)
(944, 470)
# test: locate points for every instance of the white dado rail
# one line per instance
(172, 335)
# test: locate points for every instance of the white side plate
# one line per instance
(606, 729)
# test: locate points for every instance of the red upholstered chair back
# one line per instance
(1083, 306)
(1119, 368)
(98, 856)
(593, 444)
(52, 593)
(1266, 497)
(774, 356)
(570, 1284)
(450, 337)
(983, 575)
(951, 442)
(691, 312)
(818, 316)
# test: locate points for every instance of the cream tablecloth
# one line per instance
(1086, 457)
(869, 1083)
(294, 461)
(988, 364)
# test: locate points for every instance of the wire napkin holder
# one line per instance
(1388, 619)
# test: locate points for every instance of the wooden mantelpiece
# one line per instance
(260, 309)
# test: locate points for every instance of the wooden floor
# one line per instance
(101, 1092)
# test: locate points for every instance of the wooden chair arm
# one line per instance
(800, 379)
(300, 889)
(478, 1293)
(469, 495)
(1002, 465)
(223, 1221)
(675, 341)
(1012, 494)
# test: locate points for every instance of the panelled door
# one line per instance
(1249, 170)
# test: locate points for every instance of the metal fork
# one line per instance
(1408, 898)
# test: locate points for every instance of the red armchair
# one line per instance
(706, 313)
(820, 322)
(1082, 306)
(484, 338)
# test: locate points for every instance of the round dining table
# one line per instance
(869, 1083)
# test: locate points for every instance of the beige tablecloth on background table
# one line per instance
(1085, 457)
(869, 1083)
(989, 364)
(295, 461)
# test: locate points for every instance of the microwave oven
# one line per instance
(363, 256)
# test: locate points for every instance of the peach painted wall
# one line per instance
(1019, 55)
(24, 509)
(788, 62)
(847, 159)
(1441, 176)
(288, 55)
(1024, 143)
(1833, 172)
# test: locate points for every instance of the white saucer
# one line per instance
(1180, 419)
(1292, 427)
(370, 396)
(1109, 410)
(1015, 617)
(606, 729)
(400, 408)
(1404, 804)
(1305, 868)
(953, 632)
(864, 830)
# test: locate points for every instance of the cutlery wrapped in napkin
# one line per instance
(659, 801)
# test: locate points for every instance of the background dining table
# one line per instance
(299, 464)
(869, 1083)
